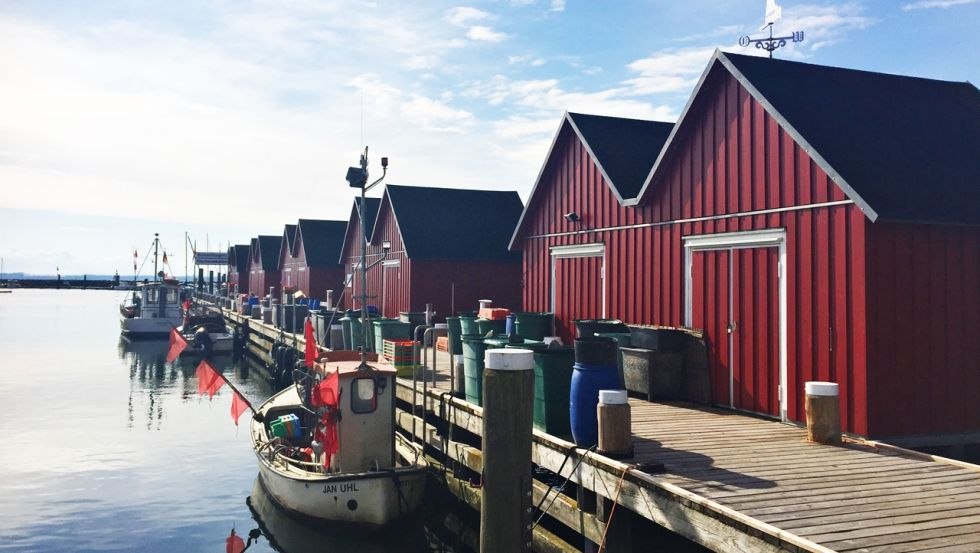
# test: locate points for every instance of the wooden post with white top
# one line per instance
(823, 412)
(508, 399)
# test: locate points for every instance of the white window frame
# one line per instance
(594, 249)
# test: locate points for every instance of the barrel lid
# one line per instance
(507, 359)
(612, 397)
(815, 388)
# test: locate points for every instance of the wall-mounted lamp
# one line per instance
(571, 217)
(386, 245)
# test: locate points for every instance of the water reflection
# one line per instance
(151, 375)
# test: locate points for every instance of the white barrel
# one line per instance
(441, 326)
(827, 389)
(613, 397)
(509, 359)
(485, 303)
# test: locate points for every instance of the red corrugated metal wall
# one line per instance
(731, 159)
(924, 328)
(459, 285)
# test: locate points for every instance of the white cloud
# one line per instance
(463, 15)
(526, 60)
(667, 71)
(484, 34)
(928, 4)
(557, 5)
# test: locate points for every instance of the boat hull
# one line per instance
(370, 498)
(157, 326)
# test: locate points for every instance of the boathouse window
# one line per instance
(365, 397)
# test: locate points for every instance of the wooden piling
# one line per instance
(508, 396)
(822, 412)
(615, 431)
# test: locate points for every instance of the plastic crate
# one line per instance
(494, 313)
(401, 354)
(442, 343)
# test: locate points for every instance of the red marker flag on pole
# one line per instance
(208, 379)
(326, 395)
(311, 349)
(238, 406)
(177, 345)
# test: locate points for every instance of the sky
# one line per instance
(218, 121)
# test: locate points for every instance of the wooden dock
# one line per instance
(732, 482)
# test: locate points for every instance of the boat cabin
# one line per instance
(365, 429)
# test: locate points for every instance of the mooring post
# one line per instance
(822, 412)
(508, 395)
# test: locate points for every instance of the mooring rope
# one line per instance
(612, 510)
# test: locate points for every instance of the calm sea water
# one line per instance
(106, 447)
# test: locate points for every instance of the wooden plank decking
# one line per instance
(739, 483)
(763, 474)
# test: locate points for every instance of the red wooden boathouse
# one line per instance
(286, 271)
(263, 268)
(310, 259)
(238, 260)
(818, 223)
(350, 253)
(448, 247)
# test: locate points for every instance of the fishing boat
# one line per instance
(327, 446)
(374, 476)
(153, 309)
(206, 333)
(154, 306)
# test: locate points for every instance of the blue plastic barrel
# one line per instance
(509, 328)
(583, 399)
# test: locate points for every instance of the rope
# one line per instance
(612, 510)
(563, 484)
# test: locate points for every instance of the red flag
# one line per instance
(311, 349)
(165, 258)
(238, 406)
(327, 392)
(208, 379)
(234, 544)
(177, 345)
(135, 255)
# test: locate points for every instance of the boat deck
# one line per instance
(762, 477)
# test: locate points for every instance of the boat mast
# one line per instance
(156, 246)
(359, 179)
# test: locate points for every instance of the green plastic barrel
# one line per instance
(390, 329)
(355, 333)
(483, 326)
(534, 326)
(455, 331)
(473, 348)
(622, 341)
(347, 328)
(532, 345)
(498, 342)
(467, 325)
(553, 369)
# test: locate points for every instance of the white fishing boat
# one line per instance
(154, 306)
(206, 334)
(153, 309)
(374, 477)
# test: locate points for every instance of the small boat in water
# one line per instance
(374, 475)
(154, 308)
(206, 333)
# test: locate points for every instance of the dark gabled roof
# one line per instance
(902, 148)
(624, 149)
(452, 223)
(371, 206)
(289, 235)
(322, 241)
(238, 256)
(269, 247)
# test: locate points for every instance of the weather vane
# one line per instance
(771, 43)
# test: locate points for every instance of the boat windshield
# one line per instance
(365, 398)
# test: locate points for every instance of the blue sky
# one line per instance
(228, 119)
